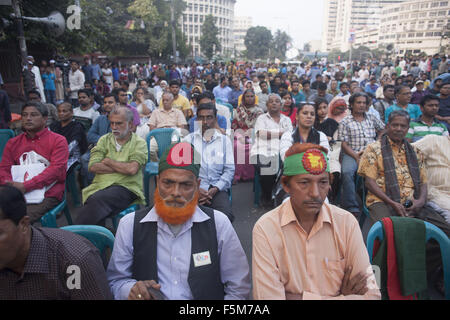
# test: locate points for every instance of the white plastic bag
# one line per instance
(31, 165)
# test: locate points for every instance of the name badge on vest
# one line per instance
(202, 259)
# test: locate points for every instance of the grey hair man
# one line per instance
(117, 162)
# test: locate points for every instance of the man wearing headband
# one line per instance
(183, 250)
(306, 249)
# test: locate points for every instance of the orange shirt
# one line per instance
(290, 264)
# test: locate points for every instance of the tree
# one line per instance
(209, 42)
(280, 44)
(258, 41)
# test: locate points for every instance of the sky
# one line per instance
(301, 19)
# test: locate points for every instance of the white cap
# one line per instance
(52, 61)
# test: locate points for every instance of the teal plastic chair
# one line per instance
(5, 135)
(229, 106)
(431, 232)
(48, 220)
(163, 138)
(99, 236)
(116, 218)
(72, 187)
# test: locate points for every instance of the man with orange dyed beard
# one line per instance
(178, 250)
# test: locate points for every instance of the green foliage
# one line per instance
(103, 29)
(280, 42)
(258, 41)
(209, 41)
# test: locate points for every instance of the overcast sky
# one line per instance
(302, 19)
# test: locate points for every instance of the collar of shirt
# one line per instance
(37, 256)
(198, 134)
(421, 121)
(169, 111)
(38, 135)
(290, 217)
(198, 217)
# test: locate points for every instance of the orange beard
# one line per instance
(174, 215)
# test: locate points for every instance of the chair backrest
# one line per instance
(431, 232)
(5, 135)
(163, 137)
(101, 237)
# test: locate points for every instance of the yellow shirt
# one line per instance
(289, 264)
(180, 103)
(371, 165)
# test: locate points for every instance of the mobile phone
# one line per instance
(158, 295)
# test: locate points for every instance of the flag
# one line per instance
(130, 25)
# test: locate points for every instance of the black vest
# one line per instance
(204, 281)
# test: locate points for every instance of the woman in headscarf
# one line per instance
(248, 85)
(244, 119)
(145, 108)
(288, 107)
(73, 131)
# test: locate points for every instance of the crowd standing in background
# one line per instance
(307, 133)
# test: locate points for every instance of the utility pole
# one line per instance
(174, 36)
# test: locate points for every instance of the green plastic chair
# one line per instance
(100, 237)
(5, 135)
(431, 232)
(163, 138)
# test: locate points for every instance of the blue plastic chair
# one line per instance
(48, 220)
(100, 237)
(431, 232)
(163, 139)
(116, 218)
(5, 135)
(72, 187)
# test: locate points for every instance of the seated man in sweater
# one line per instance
(53, 151)
(178, 249)
(117, 162)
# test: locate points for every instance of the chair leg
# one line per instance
(68, 216)
(73, 189)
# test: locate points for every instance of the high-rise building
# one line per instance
(343, 16)
(194, 16)
(241, 25)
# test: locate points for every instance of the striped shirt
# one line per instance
(419, 129)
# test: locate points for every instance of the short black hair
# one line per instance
(33, 92)
(427, 98)
(125, 82)
(111, 94)
(343, 84)
(207, 106)
(87, 92)
(205, 95)
(262, 82)
(322, 86)
(43, 110)
(12, 204)
(174, 83)
(306, 82)
(399, 88)
(388, 86)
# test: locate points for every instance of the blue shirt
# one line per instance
(115, 72)
(412, 109)
(233, 97)
(174, 256)
(96, 71)
(49, 81)
(100, 127)
(222, 93)
(217, 166)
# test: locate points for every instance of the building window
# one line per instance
(429, 34)
(419, 34)
(437, 34)
(424, 5)
(443, 4)
(434, 4)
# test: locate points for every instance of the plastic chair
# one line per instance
(48, 220)
(229, 107)
(163, 139)
(431, 232)
(5, 135)
(116, 218)
(101, 237)
(72, 187)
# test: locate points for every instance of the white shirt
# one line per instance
(89, 113)
(76, 82)
(107, 74)
(38, 81)
(287, 141)
(270, 147)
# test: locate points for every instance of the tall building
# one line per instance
(241, 25)
(416, 25)
(343, 16)
(194, 16)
